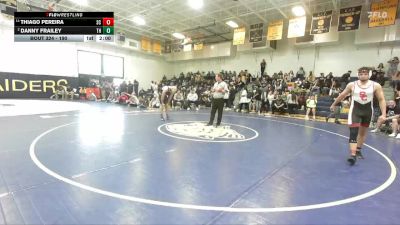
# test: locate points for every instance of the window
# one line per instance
(113, 66)
(91, 63)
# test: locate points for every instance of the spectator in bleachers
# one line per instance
(133, 99)
(311, 77)
(392, 119)
(192, 99)
(397, 97)
(60, 92)
(271, 96)
(279, 105)
(130, 87)
(311, 104)
(396, 81)
(334, 93)
(291, 76)
(263, 64)
(300, 73)
(226, 98)
(244, 101)
(291, 102)
(255, 104)
(393, 67)
(178, 99)
(69, 93)
(155, 101)
(345, 79)
(123, 87)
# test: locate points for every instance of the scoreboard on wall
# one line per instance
(64, 27)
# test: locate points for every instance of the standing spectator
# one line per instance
(130, 87)
(396, 81)
(291, 102)
(345, 79)
(393, 67)
(334, 93)
(136, 87)
(301, 74)
(263, 64)
(123, 87)
(244, 101)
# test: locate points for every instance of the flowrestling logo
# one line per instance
(198, 131)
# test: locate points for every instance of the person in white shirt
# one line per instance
(218, 92)
(192, 98)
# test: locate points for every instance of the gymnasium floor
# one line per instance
(108, 164)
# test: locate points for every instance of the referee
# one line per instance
(218, 92)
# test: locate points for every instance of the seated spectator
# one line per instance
(113, 97)
(69, 93)
(133, 99)
(178, 99)
(155, 101)
(123, 98)
(392, 119)
(192, 99)
(311, 104)
(60, 92)
(279, 105)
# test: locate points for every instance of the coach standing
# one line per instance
(218, 92)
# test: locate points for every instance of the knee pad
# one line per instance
(353, 134)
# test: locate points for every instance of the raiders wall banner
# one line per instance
(349, 18)
(18, 85)
(383, 13)
(321, 22)
(256, 32)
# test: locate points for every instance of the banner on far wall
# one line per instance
(297, 27)
(198, 46)
(275, 30)
(146, 44)
(349, 18)
(256, 32)
(18, 85)
(383, 13)
(239, 35)
(157, 47)
(321, 22)
(167, 47)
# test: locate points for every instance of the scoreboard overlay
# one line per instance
(64, 27)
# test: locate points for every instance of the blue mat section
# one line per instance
(121, 151)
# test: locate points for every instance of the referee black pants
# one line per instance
(217, 104)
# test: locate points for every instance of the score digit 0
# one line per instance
(108, 21)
